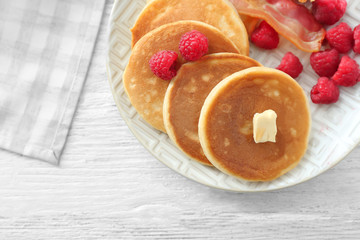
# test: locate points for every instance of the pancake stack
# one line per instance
(207, 108)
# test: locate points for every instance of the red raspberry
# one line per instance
(265, 36)
(328, 11)
(357, 39)
(163, 64)
(193, 45)
(324, 92)
(340, 37)
(348, 72)
(325, 63)
(291, 65)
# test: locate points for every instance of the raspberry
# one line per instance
(324, 92)
(340, 37)
(325, 63)
(163, 64)
(265, 36)
(348, 72)
(357, 39)
(291, 65)
(193, 45)
(328, 11)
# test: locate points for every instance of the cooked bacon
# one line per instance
(291, 20)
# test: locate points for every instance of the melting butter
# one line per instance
(264, 126)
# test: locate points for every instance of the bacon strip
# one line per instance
(291, 20)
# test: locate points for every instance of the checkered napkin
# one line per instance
(45, 50)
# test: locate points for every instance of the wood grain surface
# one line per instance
(109, 187)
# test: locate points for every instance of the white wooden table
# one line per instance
(109, 187)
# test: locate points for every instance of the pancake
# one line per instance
(145, 90)
(187, 92)
(218, 13)
(226, 131)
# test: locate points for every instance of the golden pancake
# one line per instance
(186, 94)
(218, 13)
(226, 129)
(145, 90)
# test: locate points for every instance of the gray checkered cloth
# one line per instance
(45, 50)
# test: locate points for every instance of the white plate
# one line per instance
(335, 128)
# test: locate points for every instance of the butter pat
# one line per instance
(264, 126)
